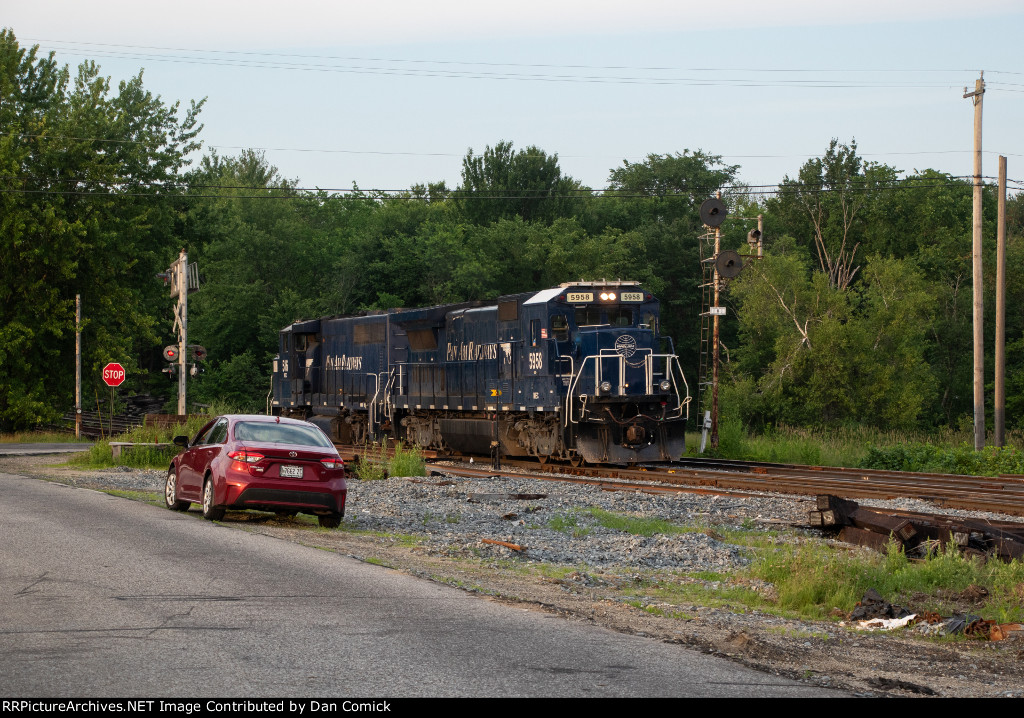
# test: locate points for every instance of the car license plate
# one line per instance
(291, 472)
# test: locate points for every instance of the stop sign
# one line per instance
(113, 374)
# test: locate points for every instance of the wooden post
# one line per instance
(979, 335)
(78, 366)
(182, 329)
(999, 407)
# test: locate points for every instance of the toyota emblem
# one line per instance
(293, 454)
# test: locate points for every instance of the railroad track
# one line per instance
(1004, 494)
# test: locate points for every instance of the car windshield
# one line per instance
(267, 433)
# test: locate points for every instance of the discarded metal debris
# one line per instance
(506, 544)
(874, 613)
(916, 534)
(874, 606)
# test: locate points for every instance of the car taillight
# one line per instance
(243, 459)
(332, 463)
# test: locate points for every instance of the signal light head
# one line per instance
(171, 352)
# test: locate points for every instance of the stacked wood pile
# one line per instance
(917, 534)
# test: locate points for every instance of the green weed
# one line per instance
(371, 464)
(636, 525)
(407, 462)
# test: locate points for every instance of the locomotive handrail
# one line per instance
(389, 407)
(670, 359)
(372, 408)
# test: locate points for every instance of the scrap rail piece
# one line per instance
(915, 533)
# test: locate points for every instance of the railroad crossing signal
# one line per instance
(171, 353)
(113, 374)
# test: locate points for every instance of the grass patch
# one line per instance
(407, 462)
(636, 525)
(42, 437)
(811, 579)
(946, 450)
(963, 459)
(374, 463)
(568, 523)
(99, 455)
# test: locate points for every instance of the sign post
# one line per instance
(113, 375)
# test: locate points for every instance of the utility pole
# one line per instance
(78, 365)
(999, 408)
(182, 278)
(177, 275)
(979, 335)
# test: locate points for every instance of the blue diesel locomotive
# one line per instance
(579, 372)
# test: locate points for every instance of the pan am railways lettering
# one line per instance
(344, 362)
(471, 352)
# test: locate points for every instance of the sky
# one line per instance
(392, 94)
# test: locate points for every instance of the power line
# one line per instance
(405, 153)
(636, 68)
(239, 59)
(186, 191)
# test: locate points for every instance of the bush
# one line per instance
(407, 462)
(962, 459)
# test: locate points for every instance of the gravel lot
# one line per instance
(568, 563)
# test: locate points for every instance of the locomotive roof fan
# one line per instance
(712, 212)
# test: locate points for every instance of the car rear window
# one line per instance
(267, 433)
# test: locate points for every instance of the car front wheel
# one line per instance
(171, 493)
(211, 512)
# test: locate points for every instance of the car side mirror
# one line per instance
(181, 441)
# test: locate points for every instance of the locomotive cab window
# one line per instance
(649, 321)
(588, 316)
(301, 342)
(620, 316)
(559, 327)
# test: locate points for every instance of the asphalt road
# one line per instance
(103, 596)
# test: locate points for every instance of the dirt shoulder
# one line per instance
(822, 653)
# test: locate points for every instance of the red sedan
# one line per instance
(259, 462)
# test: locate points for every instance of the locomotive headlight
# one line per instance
(606, 387)
(604, 296)
(608, 296)
(666, 385)
(611, 296)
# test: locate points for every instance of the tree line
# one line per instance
(859, 312)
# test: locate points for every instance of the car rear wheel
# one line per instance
(211, 512)
(171, 493)
(330, 521)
